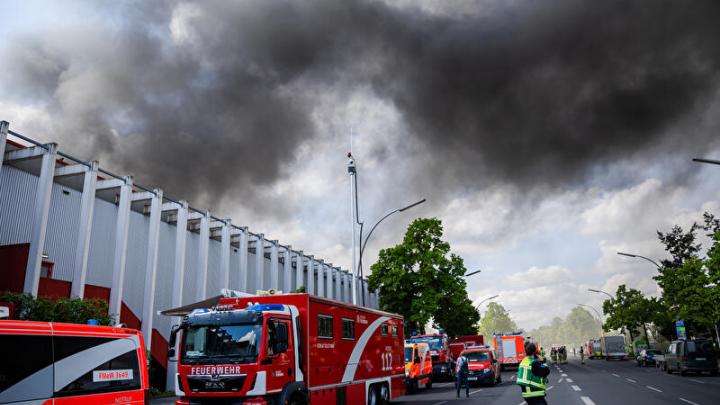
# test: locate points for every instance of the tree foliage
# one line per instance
(630, 311)
(496, 320)
(577, 327)
(421, 279)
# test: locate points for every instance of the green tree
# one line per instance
(496, 320)
(421, 279)
(627, 311)
(577, 327)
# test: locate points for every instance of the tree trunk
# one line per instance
(647, 339)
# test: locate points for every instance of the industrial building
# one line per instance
(69, 228)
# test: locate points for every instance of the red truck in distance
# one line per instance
(439, 352)
(289, 349)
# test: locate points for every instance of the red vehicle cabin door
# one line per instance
(280, 350)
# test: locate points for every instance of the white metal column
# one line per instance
(82, 246)
(311, 275)
(4, 128)
(320, 278)
(331, 282)
(299, 264)
(121, 236)
(202, 257)
(347, 279)
(40, 219)
(274, 265)
(180, 245)
(225, 255)
(260, 262)
(243, 255)
(287, 270)
(151, 261)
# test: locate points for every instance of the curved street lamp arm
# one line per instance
(642, 257)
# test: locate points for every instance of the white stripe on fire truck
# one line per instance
(352, 364)
(342, 384)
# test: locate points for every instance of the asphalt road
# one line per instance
(596, 382)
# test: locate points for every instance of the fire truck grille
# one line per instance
(435, 358)
(216, 384)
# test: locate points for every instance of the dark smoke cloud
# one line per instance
(532, 93)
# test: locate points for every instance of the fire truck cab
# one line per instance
(418, 366)
(439, 352)
(289, 349)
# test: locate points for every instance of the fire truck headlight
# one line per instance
(407, 373)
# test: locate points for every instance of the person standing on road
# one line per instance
(582, 355)
(532, 376)
(462, 370)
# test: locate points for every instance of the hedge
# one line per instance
(70, 310)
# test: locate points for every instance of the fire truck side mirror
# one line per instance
(172, 341)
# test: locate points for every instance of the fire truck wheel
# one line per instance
(413, 386)
(384, 394)
(373, 396)
(428, 384)
(296, 399)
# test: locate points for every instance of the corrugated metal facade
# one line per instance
(17, 199)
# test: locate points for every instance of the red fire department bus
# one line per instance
(439, 352)
(61, 363)
(290, 349)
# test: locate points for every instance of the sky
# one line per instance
(547, 136)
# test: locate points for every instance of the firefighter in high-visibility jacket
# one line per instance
(532, 376)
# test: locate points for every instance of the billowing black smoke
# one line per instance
(216, 97)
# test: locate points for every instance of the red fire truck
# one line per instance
(439, 352)
(62, 363)
(469, 340)
(289, 349)
(509, 349)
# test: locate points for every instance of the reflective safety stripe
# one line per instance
(528, 393)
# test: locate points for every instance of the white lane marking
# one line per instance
(564, 375)
(523, 403)
(569, 380)
(689, 402)
(631, 380)
(615, 375)
(587, 401)
(550, 387)
(652, 388)
(576, 388)
(475, 392)
(444, 384)
(560, 380)
(441, 402)
(512, 377)
(697, 381)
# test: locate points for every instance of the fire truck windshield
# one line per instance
(476, 356)
(408, 354)
(435, 343)
(221, 343)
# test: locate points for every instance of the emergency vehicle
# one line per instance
(483, 366)
(593, 349)
(418, 366)
(289, 349)
(469, 340)
(62, 363)
(439, 352)
(510, 349)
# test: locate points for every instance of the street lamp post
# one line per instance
(364, 243)
(477, 307)
(600, 291)
(641, 257)
(472, 273)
